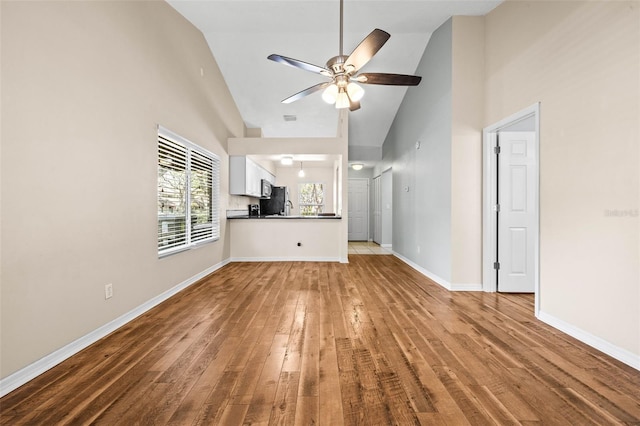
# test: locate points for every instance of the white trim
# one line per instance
(622, 355)
(433, 277)
(368, 203)
(387, 246)
(33, 370)
(466, 287)
(438, 280)
(288, 259)
(166, 136)
(489, 225)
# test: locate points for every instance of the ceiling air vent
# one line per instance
(289, 117)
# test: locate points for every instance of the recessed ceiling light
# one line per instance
(286, 160)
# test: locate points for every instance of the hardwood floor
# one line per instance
(368, 343)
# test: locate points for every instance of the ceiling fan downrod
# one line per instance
(341, 27)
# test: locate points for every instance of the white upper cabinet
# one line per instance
(245, 176)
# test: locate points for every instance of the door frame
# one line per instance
(376, 205)
(386, 196)
(490, 196)
(368, 206)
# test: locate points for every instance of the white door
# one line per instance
(386, 208)
(517, 215)
(377, 211)
(358, 210)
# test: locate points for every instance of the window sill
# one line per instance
(186, 248)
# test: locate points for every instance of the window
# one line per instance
(310, 199)
(188, 192)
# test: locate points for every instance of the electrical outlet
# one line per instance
(108, 291)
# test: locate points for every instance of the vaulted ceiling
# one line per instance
(242, 33)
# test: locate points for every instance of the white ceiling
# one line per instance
(242, 33)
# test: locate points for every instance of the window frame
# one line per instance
(319, 207)
(190, 166)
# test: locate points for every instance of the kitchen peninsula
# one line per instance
(296, 236)
(279, 238)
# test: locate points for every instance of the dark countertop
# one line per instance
(276, 217)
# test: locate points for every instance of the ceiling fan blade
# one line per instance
(300, 64)
(388, 79)
(366, 49)
(306, 92)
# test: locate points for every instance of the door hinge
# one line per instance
(496, 150)
(496, 265)
(496, 208)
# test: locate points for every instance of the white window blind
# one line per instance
(188, 193)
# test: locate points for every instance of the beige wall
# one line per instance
(277, 239)
(84, 85)
(581, 61)
(467, 92)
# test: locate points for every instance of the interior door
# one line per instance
(516, 216)
(386, 209)
(358, 210)
(377, 211)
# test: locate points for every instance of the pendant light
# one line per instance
(301, 172)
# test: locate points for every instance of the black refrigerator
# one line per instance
(276, 204)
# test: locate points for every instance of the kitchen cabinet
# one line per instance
(245, 176)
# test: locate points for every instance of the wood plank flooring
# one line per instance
(368, 343)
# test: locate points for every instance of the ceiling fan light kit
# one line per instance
(355, 92)
(341, 69)
(342, 101)
(330, 94)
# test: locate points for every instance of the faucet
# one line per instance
(288, 205)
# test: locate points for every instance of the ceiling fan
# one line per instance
(342, 89)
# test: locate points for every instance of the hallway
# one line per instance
(367, 247)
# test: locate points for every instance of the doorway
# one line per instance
(358, 210)
(511, 204)
(383, 209)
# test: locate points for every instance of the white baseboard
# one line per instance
(387, 246)
(466, 287)
(433, 277)
(287, 259)
(33, 370)
(622, 355)
(438, 280)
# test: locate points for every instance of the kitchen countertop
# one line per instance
(276, 217)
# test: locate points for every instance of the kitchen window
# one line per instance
(311, 199)
(188, 193)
